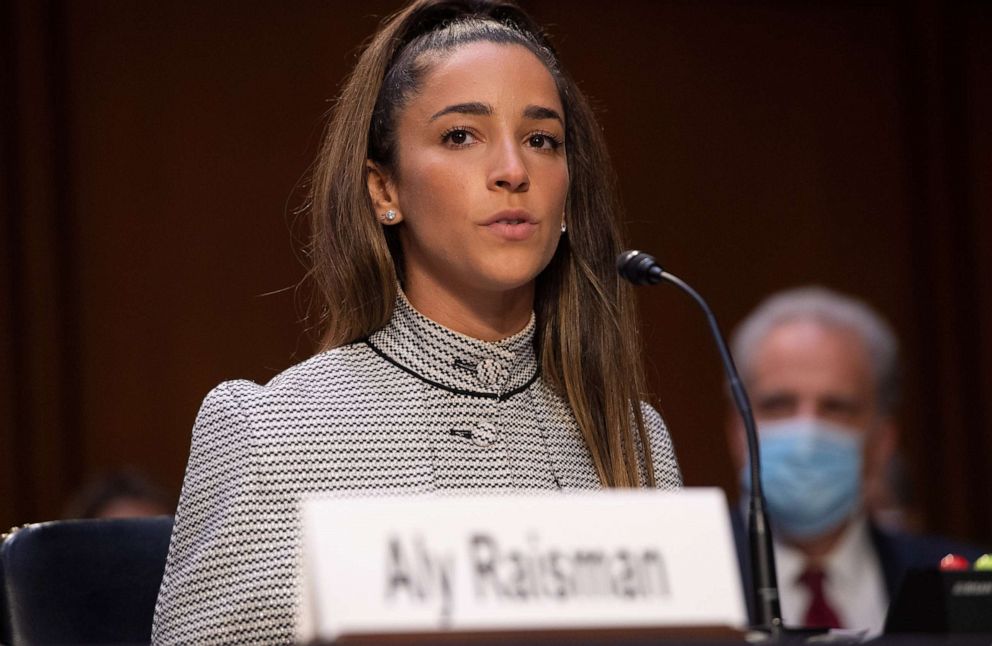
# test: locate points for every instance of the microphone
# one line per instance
(639, 268)
(642, 269)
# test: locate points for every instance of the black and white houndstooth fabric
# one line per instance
(416, 408)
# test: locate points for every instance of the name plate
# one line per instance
(536, 561)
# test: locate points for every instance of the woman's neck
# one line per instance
(480, 314)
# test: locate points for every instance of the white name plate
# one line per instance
(597, 560)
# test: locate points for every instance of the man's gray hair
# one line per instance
(830, 309)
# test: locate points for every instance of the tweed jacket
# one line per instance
(415, 408)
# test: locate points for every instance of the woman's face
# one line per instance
(481, 175)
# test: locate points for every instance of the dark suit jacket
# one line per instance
(897, 553)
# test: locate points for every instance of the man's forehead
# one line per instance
(807, 355)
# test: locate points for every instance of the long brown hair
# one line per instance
(587, 338)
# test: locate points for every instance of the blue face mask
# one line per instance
(811, 471)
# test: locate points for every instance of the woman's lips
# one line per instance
(512, 225)
(513, 230)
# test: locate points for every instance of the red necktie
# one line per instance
(819, 614)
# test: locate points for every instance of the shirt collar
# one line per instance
(845, 563)
(853, 555)
(452, 360)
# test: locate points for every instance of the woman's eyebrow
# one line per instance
(481, 109)
(536, 112)
(541, 112)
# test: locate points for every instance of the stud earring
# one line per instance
(390, 215)
(563, 227)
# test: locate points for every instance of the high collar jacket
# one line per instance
(415, 408)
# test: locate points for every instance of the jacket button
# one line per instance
(490, 372)
(485, 434)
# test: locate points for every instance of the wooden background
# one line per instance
(151, 153)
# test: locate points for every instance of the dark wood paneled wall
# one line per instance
(152, 154)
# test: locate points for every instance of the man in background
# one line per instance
(821, 370)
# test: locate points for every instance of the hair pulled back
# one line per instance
(587, 339)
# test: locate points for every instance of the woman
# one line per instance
(477, 335)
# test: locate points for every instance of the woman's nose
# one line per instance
(508, 171)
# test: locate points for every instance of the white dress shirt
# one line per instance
(854, 585)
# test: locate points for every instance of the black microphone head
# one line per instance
(639, 268)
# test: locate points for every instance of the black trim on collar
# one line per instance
(457, 391)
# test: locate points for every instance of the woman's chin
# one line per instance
(507, 280)
(510, 272)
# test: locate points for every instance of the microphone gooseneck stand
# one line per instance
(642, 269)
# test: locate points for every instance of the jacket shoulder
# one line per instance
(336, 367)
(666, 467)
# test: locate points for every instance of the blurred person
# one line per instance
(477, 335)
(822, 373)
(126, 493)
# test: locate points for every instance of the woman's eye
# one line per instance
(544, 141)
(458, 137)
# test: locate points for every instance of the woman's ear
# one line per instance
(382, 190)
